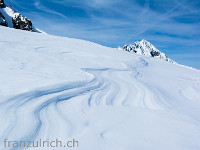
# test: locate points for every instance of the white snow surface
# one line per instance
(56, 87)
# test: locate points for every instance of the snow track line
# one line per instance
(120, 80)
(63, 93)
(109, 87)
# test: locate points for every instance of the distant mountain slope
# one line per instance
(146, 48)
(10, 17)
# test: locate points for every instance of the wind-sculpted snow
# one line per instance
(61, 88)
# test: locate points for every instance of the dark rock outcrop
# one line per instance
(19, 22)
(3, 20)
(2, 5)
(10, 17)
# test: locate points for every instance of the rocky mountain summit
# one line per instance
(10, 17)
(145, 48)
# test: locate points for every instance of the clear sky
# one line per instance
(173, 26)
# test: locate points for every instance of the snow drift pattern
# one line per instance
(56, 87)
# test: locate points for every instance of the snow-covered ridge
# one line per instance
(145, 48)
(10, 17)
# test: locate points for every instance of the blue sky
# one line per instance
(173, 26)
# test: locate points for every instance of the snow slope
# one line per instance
(55, 87)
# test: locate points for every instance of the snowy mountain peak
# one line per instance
(146, 48)
(10, 17)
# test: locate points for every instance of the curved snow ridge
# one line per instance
(137, 102)
(191, 93)
(126, 89)
(109, 87)
(39, 101)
